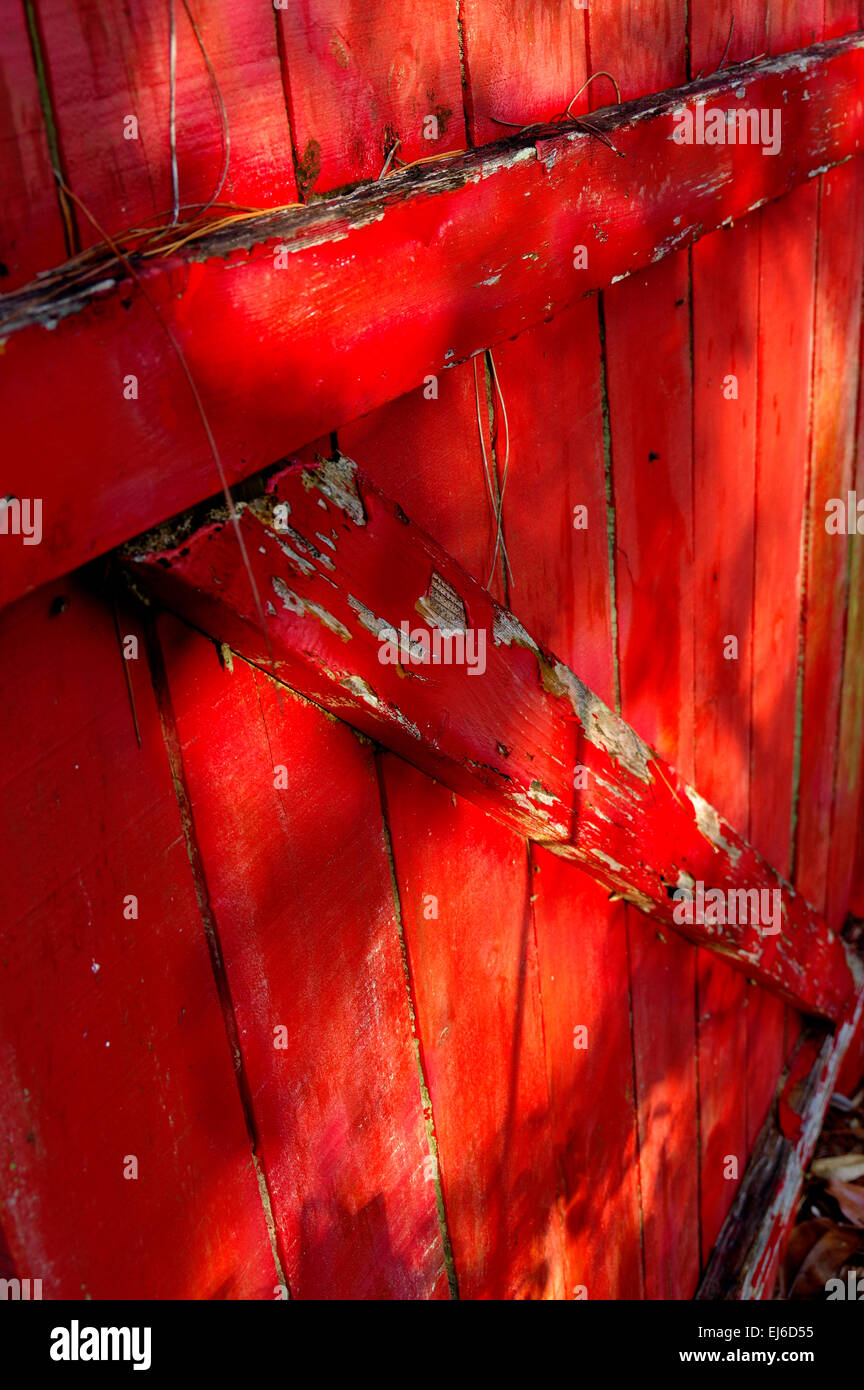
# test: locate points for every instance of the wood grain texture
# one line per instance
(425, 451)
(593, 1143)
(508, 739)
(361, 76)
(745, 1260)
(847, 825)
(107, 63)
(551, 383)
(650, 408)
(112, 1037)
(643, 45)
(505, 39)
(651, 482)
(715, 38)
(281, 356)
(31, 237)
(299, 887)
(474, 974)
(795, 23)
(832, 445)
(725, 270)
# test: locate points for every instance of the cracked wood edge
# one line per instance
(746, 1257)
(373, 292)
(337, 566)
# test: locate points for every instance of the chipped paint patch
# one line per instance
(709, 822)
(356, 685)
(290, 600)
(537, 792)
(442, 607)
(613, 863)
(337, 479)
(369, 620)
(295, 604)
(601, 727)
(507, 630)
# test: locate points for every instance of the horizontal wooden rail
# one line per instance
(295, 322)
(353, 601)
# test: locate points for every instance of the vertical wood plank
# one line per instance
(793, 24)
(787, 260)
(113, 1042)
(582, 949)
(650, 405)
(31, 235)
(504, 39)
(551, 382)
(550, 379)
(713, 33)
(847, 828)
(362, 76)
(643, 44)
(107, 63)
(467, 917)
(286, 810)
(835, 391)
(839, 17)
(725, 271)
(651, 458)
(424, 450)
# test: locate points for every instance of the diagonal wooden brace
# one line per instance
(355, 602)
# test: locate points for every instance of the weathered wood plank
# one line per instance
(282, 347)
(466, 911)
(847, 827)
(113, 1041)
(725, 271)
(108, 63)
(745, 1259)
(832, 447)
(288, 821)
(504, 39)
(551, 382)
(361, 77)
(786, 296)
(650, 409)
(31, 237)
(347, 568)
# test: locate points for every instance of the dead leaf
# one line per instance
(824, 1259)
(850, 1200)
(848, 1167)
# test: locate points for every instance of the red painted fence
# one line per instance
(287, 1006)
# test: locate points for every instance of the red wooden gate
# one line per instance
(373, 978)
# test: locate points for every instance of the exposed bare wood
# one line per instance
(745, 1258)
(356, 601)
